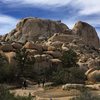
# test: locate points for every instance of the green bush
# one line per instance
(4, 69)
(70, 72)
(69, 59)
(76, 75)
(61, 76)
(6, 95)
(68, 75)
(86, 95)
(7, 73)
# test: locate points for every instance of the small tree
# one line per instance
(69, 59)
(61, 76)
(24, 63)
(77, 75)
(3, 60)
(66, 74)
(3, 68)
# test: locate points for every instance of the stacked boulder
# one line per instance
(46, 40)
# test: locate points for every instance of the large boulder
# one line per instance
(72, 86)
(56, 44)
(87, 33)
(29, 45)
(16, 45)
(55, 54)
(7, 48)
(32, 45)
(93, 75)
(32, 52)
(10, 56)
(51, 48)
(38, 66)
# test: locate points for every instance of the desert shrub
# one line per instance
(60, 77)
(4, 69)
(70, 72)
(7, 73)
(66, 74)
(86, 95)
(6, 95)
(76, 75)
(69, 59)
(71, 75)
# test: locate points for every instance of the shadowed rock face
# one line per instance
(87, 33)
(32, 29)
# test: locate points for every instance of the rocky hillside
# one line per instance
(46, 40)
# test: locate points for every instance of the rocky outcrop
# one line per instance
(46, 40)
(87, 33)
(33, 29)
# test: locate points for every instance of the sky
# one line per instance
(69, 11)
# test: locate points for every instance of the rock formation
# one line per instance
(46, 40)
(87, 33)
(33, 29)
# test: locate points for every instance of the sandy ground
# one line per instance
(41, 94)
(45, 94)
(26, 92)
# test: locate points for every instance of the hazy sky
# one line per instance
(69, 11)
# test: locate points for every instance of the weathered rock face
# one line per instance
(33, 29)
(63, 38)
(87, 33)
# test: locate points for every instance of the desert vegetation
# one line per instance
(6, 95)
(86, 95)
(68, 72)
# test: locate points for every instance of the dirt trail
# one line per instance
(55, 93)
(25, 92)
